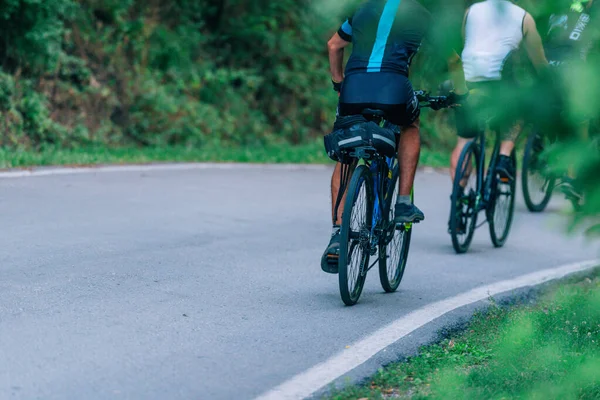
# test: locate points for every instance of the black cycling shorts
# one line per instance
(496, 103)
(391, 93)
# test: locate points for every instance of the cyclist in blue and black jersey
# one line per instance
(385, 36)
(572, 46)
(572, 32)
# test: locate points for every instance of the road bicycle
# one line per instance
(370, 181)
(475, 190)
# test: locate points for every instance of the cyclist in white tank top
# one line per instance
(493, 30)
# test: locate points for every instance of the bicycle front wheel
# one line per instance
(394, 243)
(537, 186)
(355, 238)
(463, 206)
(501, 209)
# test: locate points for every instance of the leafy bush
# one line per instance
(7, 90)
(32, 31)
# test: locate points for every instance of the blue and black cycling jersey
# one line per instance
(385, 36)
(572, 34)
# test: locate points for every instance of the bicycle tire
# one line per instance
(463, 207)
(499, 239)
(356, 239)
(391, 273)
(528, 172)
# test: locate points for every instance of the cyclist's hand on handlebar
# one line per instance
(436, 105)
(337, 86)
(456, 100)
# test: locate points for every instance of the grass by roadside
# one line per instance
(550, 350)
(311, 153)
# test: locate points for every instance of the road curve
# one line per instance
(205, 282)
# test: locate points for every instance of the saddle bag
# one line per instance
(356, 131)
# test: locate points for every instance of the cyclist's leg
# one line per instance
(508, 132)
(466, 130)
(331, 253)
(335, 189)
(507, 121)
(510, 137)
(409, 150)
(343, 109)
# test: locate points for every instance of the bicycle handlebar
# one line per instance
(433, 102)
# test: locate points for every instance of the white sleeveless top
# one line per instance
(493, 29)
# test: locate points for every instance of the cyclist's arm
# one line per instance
(455, 66)
(457, 74)
(335, 46)
(533, 44)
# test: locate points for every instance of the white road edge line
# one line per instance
(50, 171)
(317, 377)
(47, 171)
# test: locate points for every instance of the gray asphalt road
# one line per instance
(206, 284)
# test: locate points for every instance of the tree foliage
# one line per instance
(165, 72)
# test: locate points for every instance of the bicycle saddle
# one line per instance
(371, 113)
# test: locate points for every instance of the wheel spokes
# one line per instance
(502, 205)
(466, 203)
(394, 241)
(537, 182)
(359, 246)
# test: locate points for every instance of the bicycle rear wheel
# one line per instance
(501, 209)
(537, 186)
(394, 243)
(356, 235)
(463, 207)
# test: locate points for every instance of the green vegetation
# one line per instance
(202, 73)
(310, 153)
(550, 350)
(181, 72)
(94, 80)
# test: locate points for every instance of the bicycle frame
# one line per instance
(380, 169)
(485, 180)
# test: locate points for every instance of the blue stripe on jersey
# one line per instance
(347, 28)
(383, 32)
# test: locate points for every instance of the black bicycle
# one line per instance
(475, 190)
(368, 228)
